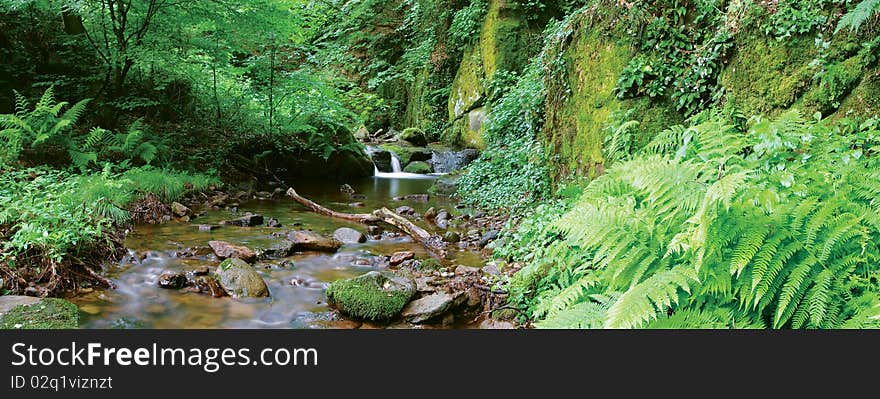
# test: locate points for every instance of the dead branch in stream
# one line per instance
(432, 242)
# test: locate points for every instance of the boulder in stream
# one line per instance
(172, 280)
(225, 250)
(371, 296)
(349, 236)
(239, 279)
(307, 240)
(419, 167)
(431, 306)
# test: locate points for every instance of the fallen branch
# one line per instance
(432, 242)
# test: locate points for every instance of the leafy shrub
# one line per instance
(711, 227)
(466, 23)
(796, 17)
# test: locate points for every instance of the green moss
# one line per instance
(49, 313)
(837, 81)
(372, 296)
(406, 153)
(864, 100)
(766, 76)
(467, 88)
(418, 167)
(504, 42)
(573, 130)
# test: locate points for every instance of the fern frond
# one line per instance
(644, 301)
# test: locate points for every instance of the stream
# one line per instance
(296, 283)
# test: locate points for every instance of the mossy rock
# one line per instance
(48, 313)
(239, 279)
(372, 296)
(413, 136)
(406, 153)
(418, 167)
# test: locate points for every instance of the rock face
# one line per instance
(248, 220)
(349, 236)
(306, 240)
(418, 167)
(239, 279)
(21, 312)
(429, 307)
(450, 161)
(225, 250)
(413, 136)
(372, 296)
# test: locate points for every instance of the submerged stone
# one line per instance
(371, 296)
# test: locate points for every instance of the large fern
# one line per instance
(775, 226)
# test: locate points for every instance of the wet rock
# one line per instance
(224, 250)
(474, 297)
(194, 252)
(405, 210)
(451, 237)
(372, 296)
(263, 195)
(442, 219)
(462, 269)
(488, 237)
(358, 196)
(218, 200)
(419, 167)
(429, 307)
(410, 264)
(279, 250)
(417, 197)
(430, 214)
(346, 189)
(208, 227)
(381, 158)
(248, 220)
(172, 280)
(239, 279)
(349, 235)
(399, 257)
(374, 230)
(357, 205)
(273, 223)
(307, 240)
(209, 285)
(201, 271)
(450, 161)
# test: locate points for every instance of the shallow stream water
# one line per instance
(296, 283)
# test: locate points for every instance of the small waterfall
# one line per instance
(395, 163)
